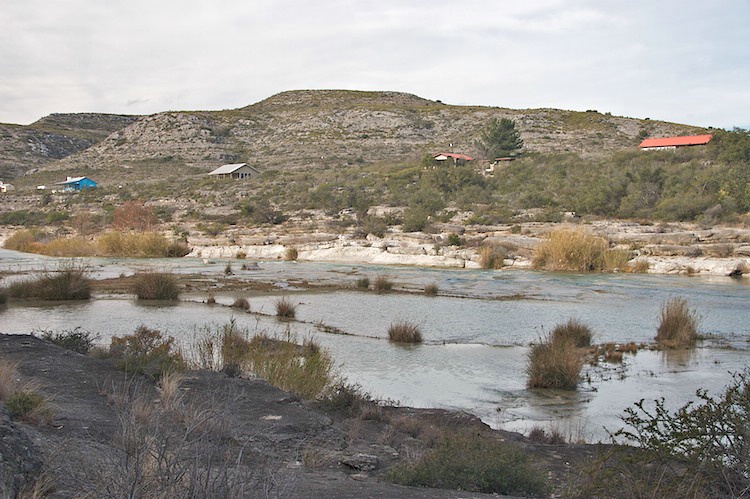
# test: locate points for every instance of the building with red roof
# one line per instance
(457, 158)
(675, 142)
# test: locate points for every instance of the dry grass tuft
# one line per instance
(491, 256)
(68, 283)
(242, 303)
(678, 324)
(573, 250)
(291, 254)
(575, 331)
(363, 283)
(156, 286)
(285, 309)
(382, 284)
(554, 362)
(640, 266)
(616, 260)
(431, 289)
(404, 332)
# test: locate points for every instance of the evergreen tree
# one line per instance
(499, 139)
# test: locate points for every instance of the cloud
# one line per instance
(637, 58)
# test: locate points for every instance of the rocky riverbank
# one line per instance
(666, 248)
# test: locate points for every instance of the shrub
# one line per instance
(146, 352)
(23, 403)
(139, 245)
(348, 399)
(616, 260)
(570, 249)
(78, 339)
(68, 283)
(431, 289)
(27, 240)
(363, 283)
(285, 309)
(575, 331)
(475, 464)
(382, 284)
(241, 303)
(455, 240)
(404, 332)
(156, 286)
(699, 450)
(491, 256)
(678, 324)
(554, 364)
(291, 254)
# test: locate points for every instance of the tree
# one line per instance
(499, 139)
(134, 215)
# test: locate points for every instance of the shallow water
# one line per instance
(476, 337)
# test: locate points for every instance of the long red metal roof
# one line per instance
(687, 140)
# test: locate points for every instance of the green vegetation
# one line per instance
(146, 352)
(68, 283)
(363, 283)
(24, 402)
(78, 339)
(678, 324)
(156, 286)
(698, 450)
(404, 332)
(474, 463)
(499, 139)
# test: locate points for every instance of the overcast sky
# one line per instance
(686, 61)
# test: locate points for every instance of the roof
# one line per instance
(687, 140)
(455, 156)
(227, 169)
(73, 180)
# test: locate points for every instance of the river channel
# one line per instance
(477, 330)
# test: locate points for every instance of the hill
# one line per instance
(319, 129)
(24, 149)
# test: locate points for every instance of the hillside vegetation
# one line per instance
(346, 150)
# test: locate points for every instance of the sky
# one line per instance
(685, 61)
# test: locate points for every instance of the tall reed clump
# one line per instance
(616, 260)
(491, 256)
(139, 245)
(574, 250)
(404, 332)
(382, 284)
(291, 254)
(70, 282)
(678, 324)
(556, 361)
(147, 352)
(285, 309)
(156, 286)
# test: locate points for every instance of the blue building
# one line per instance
(77, 184)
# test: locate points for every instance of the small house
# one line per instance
(5, 187)
(675, 142)
(77, 184)
(237, 170)
(458, 159)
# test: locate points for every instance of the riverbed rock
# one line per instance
(361, 461)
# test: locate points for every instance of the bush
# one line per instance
(156, 286)
(678, 325)
(616, 260)
(363, 283)
(78, 339)
(23, 403)
(474, 464)
(241, 303)
(570, 250)
(285, 309)
(554, 363)
(291, 254)
(574, 331)
(491, 256)
(146, 352)
(699, 450)
(455, 240)
(382, 284)
(404, 332)
(139, 245)
(68, 283)
(431, 289)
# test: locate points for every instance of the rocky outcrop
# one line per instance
(20, 461)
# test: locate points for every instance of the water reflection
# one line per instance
(475, 336)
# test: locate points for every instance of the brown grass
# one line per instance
(362, 283)
(242, 303)
(616, 260)
(554, 363)
(575, 331)
(574, 250)
(678, 324)
(285, 309)
(491, 256)
(382, 284)
(404, 332)
(67, 283)
(431, 289)
(291, 254)
(640, 266)
(156, 286)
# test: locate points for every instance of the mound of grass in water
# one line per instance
(404, 332)
(156, 286)
(573, 250)
(678, 324)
